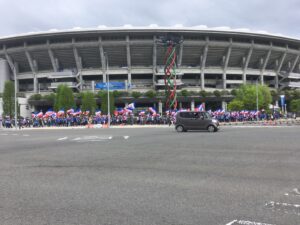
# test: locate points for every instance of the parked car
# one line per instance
(195, 121)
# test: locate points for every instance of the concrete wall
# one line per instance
(4, 73)
(1, 108)
(23, 102)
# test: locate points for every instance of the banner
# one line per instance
(112, 86)
(282, 100)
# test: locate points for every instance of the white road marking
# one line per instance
(230, 223)
(91, 140)
(266, 126)
(89, 137)
(25, 135)
(4, 134)
(285, 207)
(61, 139)
(295, 191)
(76, 139)
(244, 222)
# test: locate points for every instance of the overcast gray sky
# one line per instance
(273, 16)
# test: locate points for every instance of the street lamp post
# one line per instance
(107, 84)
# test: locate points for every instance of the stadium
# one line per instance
(207, 60)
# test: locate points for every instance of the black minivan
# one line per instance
(195, 121)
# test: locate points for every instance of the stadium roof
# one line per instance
(102, 29)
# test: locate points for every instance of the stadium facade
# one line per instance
(207, 59)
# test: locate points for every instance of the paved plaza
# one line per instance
(151, 176)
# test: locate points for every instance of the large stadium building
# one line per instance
(207, 60)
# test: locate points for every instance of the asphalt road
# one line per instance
(150, 176)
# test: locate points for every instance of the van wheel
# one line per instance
(179, 128)
(211, 128)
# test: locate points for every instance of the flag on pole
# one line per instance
(40, 114)
(201, 107)
(131, 106)
(152, 110)
(98, 113)
(61, 112)
(70, 111)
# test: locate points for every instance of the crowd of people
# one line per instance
(126, 116)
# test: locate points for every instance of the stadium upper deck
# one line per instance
(207, 59)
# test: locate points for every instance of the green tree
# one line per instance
(35, 97)
(117, 93)
(9, 99)
(233, 92)
(136, 94)
(184, 93)
(50, 98)
(64, 98)
(103, 96)
(203, 93)
(295, 105)
(274, 95)
(88, 102)
(217, 93)
(150, 94)
(247, 95)
(235, 105)
(224, 92)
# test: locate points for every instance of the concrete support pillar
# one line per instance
(35, 84)
(180, 53)
(202, 80)
(32, 67)
(279, 68)
(103, 63)
(154, 61)
(192, 105)
(224, 105)
(4, 74)
(265, 62)
(54, 61)
(261, 79)
(247, 63)
(244, 76)
(17, 72)
(226, 64)
(128, 56)
(129, 79)
(160, 107)
(294, 64)
(93, 86)
(203, 63)
(276, 81)
(224, 80)
(1, 109)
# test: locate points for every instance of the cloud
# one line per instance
(21, 16)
